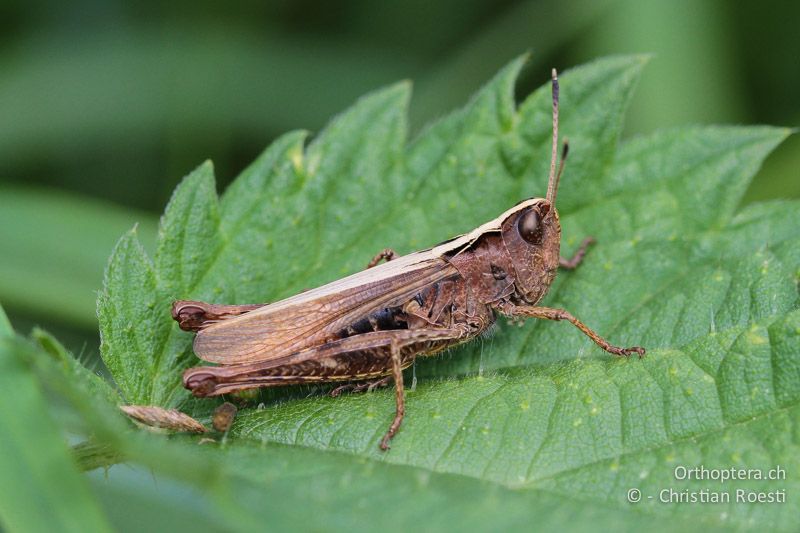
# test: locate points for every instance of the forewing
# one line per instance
(314, 317)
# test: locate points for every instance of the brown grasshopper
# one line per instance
(373, 324)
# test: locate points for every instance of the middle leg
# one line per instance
(387, 253)
(368, 386)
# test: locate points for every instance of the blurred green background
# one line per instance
(105, 105)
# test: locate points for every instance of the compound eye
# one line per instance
(530, 227)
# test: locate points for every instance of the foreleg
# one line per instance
(560, 314)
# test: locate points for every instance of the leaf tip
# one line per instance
(400, 91)
(128, 238)
(521, 60)
(203, 172)
(201, 176)
(128, 248)
(206, 166)
(514, 66)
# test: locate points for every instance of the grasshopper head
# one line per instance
(532, 237)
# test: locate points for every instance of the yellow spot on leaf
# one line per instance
(753, 336)
(297, 160)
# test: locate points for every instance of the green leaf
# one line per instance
(538, 413)
(42, 489)
(243, 487)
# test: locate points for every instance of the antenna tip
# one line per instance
(555, 88)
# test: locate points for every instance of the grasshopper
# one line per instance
(371, 325)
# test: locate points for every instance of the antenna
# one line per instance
(552, 180)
